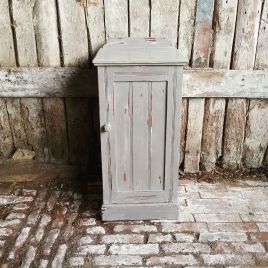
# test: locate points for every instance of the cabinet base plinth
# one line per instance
(158, 211)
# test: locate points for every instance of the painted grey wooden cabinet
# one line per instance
(140, 99)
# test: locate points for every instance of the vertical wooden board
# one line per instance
(73, 33)
(116, 18)
(7, 53)
(236, 113)
(122, 113)
(183, 127)
(262, 46)
(203, 33)
(46, 33)
(6, 144)
(201, 54)
(224, 27)
(194, 135)
(246, 34)
(157, 122)
(24, 29)
(95, 25)
(212, 133)
(256, 129)
(16, 123)
(140, 134)
(54, 114)
(78, 114)
(247, 25)
(164, 20)
(186, 27)
(256, 137)
(32, 114)
(139, 18)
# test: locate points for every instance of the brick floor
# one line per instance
(58, 225)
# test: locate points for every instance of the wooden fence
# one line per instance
(55, 111)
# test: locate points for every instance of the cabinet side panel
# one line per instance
(105, 152)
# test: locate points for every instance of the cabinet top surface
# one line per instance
(138, 51)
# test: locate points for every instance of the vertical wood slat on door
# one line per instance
(224, 26)
(140, 134)
(256, 136)
(122, 113)
(139, 18)
(33, 120)
(116, 18)
(201, 53)
(164, 20)
(158, 134)
(247, 26)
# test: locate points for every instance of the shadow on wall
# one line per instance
(82, 119)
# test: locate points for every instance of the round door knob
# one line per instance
(107, 127)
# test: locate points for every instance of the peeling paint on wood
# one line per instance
(203, 33)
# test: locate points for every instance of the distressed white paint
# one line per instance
(225, 20)
(7, 53)
(73, 33)
(164, 20)
(116, 18)
(256, 137)
(25, 38)
(194, 135)
(139, 18)
(46, 33)
(186, 27)
(262, 47)
(95, 24)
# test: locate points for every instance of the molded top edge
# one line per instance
(138, 51)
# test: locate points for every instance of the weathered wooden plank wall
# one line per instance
(62, 126)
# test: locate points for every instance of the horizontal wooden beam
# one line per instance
(74, 82)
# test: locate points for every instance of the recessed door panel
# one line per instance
(140, 120)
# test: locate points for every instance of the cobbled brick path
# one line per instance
(219, 225)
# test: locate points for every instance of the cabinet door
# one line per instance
(141, 113)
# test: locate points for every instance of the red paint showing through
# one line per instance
(125, 177)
